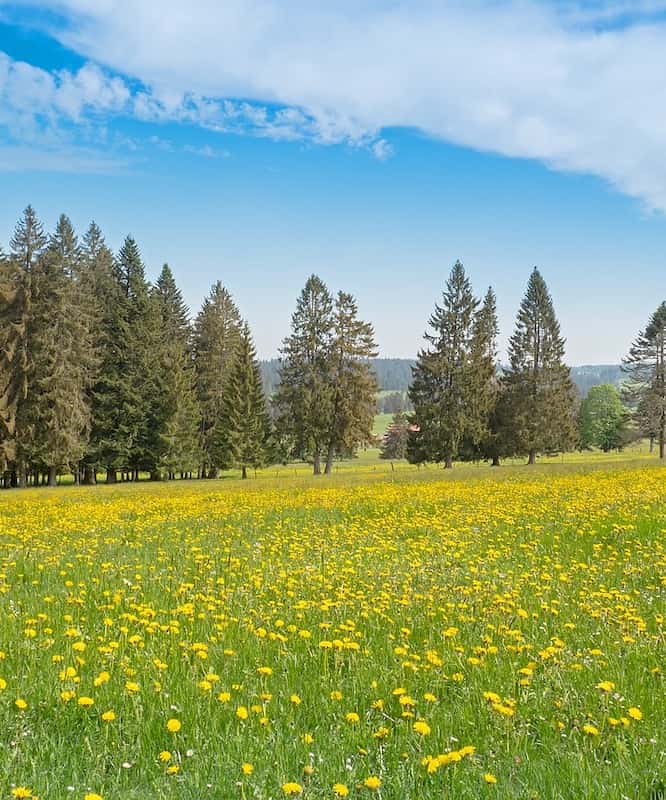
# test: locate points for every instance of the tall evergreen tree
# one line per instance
(13, 372)
(27, 244)
(353, 382)
(61, 349)
(445, 379)
(242, 431)
(109, 440)
(645, 368)
(216, 337)
(540, 392)
(484, 392)
(304, 398)
(178, 410)
(140, 388)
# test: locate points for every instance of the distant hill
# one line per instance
(394, 374)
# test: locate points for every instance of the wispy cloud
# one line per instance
(577, 84)
(15, 158)
(206, 151)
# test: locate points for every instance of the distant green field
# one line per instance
(382, 421)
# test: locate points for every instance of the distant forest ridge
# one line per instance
(395, 374)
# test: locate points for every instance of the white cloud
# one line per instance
(576, 84)
(16, 158)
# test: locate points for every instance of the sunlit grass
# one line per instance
(401, 633)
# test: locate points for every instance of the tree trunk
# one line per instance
(154, 475)
(328, 469)
(448, 463)
(316, 464)
(111, 475)
(531, 460)
(244, 472)
(213, 472)
(661, 445)
(52, 476)
(88, 475)
(22, 477)
(496, 461)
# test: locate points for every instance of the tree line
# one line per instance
(468, 407)
(105, 375)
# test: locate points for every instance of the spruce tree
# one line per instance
(483, 352)
(178, 410)
(27, 245)
(216, 337)
(484, 438)
(539, 390)
(645, 387)
(139, 391)
(352, 379)
(304, 398)
(61, 351)
(108, 447)
(444, 379)
(13, 373)
(242, 430)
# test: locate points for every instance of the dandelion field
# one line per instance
(499, 634)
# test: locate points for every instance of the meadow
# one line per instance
(384, 633)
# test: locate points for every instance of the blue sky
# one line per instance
(372, 142)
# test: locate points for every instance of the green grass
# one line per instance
(446, 585)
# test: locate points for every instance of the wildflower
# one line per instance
(606, 686)
(340, 790)
(247, 769)
(590, 730)
(295, 699)
(20, 704)
(635, 713)
(165, 756)
(242, 713)
(108, 716)
(21, 792)
(352, 717)
(85, 702)
(421, 727)
(489, 778)
(173, 725)
(92, 796)
(372, 782)
(291, 788)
